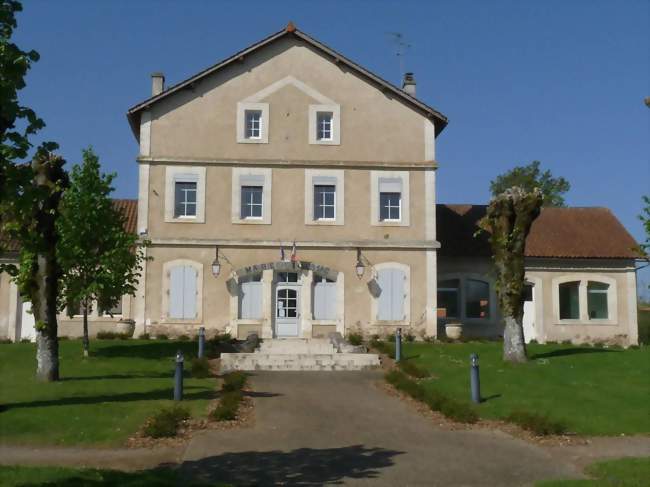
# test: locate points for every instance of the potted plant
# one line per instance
(454, 330)
(126, 327)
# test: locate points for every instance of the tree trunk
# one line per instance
(514, 346)
(86, 341)
(44, 310)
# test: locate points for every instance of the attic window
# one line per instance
(253, 124)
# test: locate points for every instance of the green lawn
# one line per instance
(626, 472)
(595, 391)
(73, 477)
(102, 400)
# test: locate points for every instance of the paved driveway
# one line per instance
(315, 428)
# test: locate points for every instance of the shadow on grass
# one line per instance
(161, 375)
(304, 466)
(154, 349)
(154, 395)
(489, 398)
(571, 351)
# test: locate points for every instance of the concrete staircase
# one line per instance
(298, 354)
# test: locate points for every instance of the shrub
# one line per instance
(162, 336)
(228, 406)
(409, 337)
(165, 423)
(4, 341)
(200, 368)
(63, 337)
(540, 424)
(413, 370)
(386, 348)
(183, 338)
(437, 401)
(234, 381)
(26, 340)
(144, 336)
(355, 339)
(111, 335)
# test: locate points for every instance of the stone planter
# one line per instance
(126, 327)
(454, 331)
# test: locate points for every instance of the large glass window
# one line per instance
(115, 310)
(390, 205)
(477, 299)
(287, 277)
(251, 201)
(570, 300)
(324, 202)
(253, 124)
(448, 297)
(597, 300)
(184, 199)
(324, 128)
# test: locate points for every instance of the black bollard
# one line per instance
(178, 377)
(398, 345)
(201, 342)
(475, 380)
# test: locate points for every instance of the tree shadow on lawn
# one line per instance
(159, 375)
(154, 349)
(571, 351)
(154, 395)
(304, 466)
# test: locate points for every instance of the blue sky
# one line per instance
(560, 81)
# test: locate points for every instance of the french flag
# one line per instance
(294, 254)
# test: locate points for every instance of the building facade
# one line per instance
(289, 192)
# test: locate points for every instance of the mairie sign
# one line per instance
(287, 266)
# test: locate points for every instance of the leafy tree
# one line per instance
(29, 195)
(508, 220)
(530, 177)
(100, 260)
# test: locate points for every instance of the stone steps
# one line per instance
(298, 361)
(292, 346)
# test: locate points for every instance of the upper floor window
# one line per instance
(185, 199)
(390, 206)
(570, 300)
(324, 125)
(253, 124)
(324, 202)
(251, 201)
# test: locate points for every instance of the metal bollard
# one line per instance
(178, 377)
(398, 345)
(475, 380)
(201, 342)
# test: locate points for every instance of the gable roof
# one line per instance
(592, 233)
(128, 207)
(440, 121)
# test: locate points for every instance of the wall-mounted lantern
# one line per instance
(216, 265)
(359, 266)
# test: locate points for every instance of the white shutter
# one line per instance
(397, 294)
(189, 292)
(176, 292)
(250, 300)
(325, 301)
(384, 300)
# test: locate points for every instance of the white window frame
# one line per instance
(251, 203)
(405, 217)
(186, 180)
(242, 129)
(323, 204)
(174, 174)
(242, 176)
(583, 279)
(389, 206)
(314, 111)
(254, 122)
(167, 266)
(316, 177)
(406, 269)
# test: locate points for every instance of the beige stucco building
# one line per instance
(290, 192)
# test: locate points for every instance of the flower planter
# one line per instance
(125, 326)
(454, 331)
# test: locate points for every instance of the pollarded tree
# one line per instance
(530, 177)
(29, 195)
(645, 219)
(100, 260)
(508, 220)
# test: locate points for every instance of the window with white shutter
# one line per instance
(250, 298)
(324, 300)
(390, 303)
(183, 292)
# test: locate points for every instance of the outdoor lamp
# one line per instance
(216, 265)
(359, 267)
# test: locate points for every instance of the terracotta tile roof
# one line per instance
(128, 207)
(557, 232)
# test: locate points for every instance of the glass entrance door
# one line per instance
(287, 313)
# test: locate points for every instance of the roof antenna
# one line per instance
(401, 46)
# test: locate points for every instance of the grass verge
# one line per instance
(231, 397)
(625, 472)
